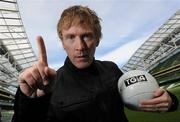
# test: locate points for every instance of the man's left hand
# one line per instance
(160, 103)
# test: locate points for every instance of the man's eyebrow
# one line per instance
(88, 34)
(83, 34)
(68, 35)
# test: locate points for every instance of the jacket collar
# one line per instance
(91, 68)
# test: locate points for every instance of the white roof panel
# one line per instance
(16, 51)
(158, 46)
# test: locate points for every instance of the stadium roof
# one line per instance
(16, 52)
(163, 43)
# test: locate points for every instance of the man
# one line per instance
(83, 89)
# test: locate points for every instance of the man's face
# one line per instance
(80, 45)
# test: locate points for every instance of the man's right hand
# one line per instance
(35, 80)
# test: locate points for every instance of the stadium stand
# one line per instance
(158, 47)
(160, 53)
(168, 71)
(16, 53)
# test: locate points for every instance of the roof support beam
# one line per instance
(8, 1)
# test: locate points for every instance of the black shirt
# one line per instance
(82, 95)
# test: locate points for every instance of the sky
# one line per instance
(126, 25)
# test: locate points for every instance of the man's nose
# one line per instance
(80, 44)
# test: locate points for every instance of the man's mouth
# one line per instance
(82, 58)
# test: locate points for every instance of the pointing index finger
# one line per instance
(42, 50)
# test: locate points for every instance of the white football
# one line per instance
(135, 86)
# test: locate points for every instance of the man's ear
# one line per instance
(97, 44)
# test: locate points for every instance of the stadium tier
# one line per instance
(164, 43)
(16, 52)
(160, 53)
(168, 72)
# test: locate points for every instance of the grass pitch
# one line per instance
(134, 116)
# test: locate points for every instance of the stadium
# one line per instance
(159, 55)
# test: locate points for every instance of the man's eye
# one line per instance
(70, 38)
(87, 37)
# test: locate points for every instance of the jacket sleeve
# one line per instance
(30, 109)
(175, 102)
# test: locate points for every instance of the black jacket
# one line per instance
(87, 95)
